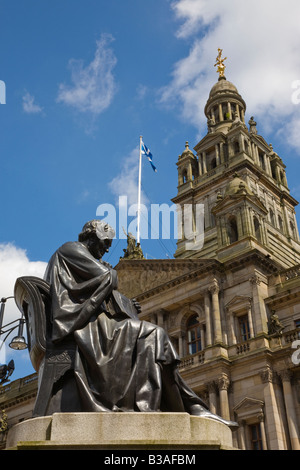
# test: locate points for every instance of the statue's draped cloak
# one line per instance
(121, 363)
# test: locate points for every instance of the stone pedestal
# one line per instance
(119, 431)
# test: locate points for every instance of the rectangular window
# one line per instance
(194, 340)
(255, 434)
(244, 328)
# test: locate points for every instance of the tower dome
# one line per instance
(224, 105)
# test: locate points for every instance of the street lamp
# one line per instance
(18, 342)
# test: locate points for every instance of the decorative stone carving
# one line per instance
(268, 375)
(223, 382)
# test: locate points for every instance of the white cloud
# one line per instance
(261, 41)
(29, 106)
(93, 86)
(14, 263)
(126, 182)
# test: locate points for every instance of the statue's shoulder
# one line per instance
(71, 248)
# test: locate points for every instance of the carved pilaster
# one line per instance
(268, 376)
(223, 382)
(285, 375)
(214, 290)
(212, 391)
(255, 280)
(211, 387)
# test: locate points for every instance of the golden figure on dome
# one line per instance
(220, 64)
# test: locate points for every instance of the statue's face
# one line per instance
(98, 247)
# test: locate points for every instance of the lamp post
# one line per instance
(18, 342)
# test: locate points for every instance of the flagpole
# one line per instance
(139, 194)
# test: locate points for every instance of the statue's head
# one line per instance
(97, 235)
(96, 227)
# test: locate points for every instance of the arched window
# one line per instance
(225, 112)
(193, 335)
(194, 172)
(272, 218)
(236, 147)
(213, 163)
(262, 161)
(280, 224)
(293, 231)
(184, 176)
(273, 170)
(257, 228)
(232, 230)
(216, 113)
(226, 153)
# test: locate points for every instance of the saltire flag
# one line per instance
(148, 154)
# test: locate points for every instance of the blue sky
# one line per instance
(84, 79)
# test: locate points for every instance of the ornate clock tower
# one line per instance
(241, 182)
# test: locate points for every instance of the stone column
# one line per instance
(241, 143)
(296, 225)
(285, 180)
(212, 391)
(202, 336)
(274, 425)
(277, 171)
(222, 152)
(214, 290)
(160, 318)
(189, 172)
(223, 384)
(242, 115)
(263, 431)
(207, 318)
(229, 109)
(219, 231)
(225, 236)
(153, 318)
(250, 322)
(248, 218)
(200, 164)
(221, 117)
(253, 148)
(258, 305)
(207, 218)
(217, 155)
(267, 164)
(290, 409)
(285, 219)
(232, 328)
(204, 162)
(242, 434)
(239, 223)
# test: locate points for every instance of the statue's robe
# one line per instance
(121, 363)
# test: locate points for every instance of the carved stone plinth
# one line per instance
(119, 431)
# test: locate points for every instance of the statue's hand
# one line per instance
(137, 305)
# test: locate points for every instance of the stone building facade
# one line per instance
(230, 300)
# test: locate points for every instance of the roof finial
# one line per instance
(220, 64)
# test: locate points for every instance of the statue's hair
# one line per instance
(96, 227)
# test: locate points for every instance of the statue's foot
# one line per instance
(198, 410)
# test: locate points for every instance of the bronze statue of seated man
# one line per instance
(121, 363)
